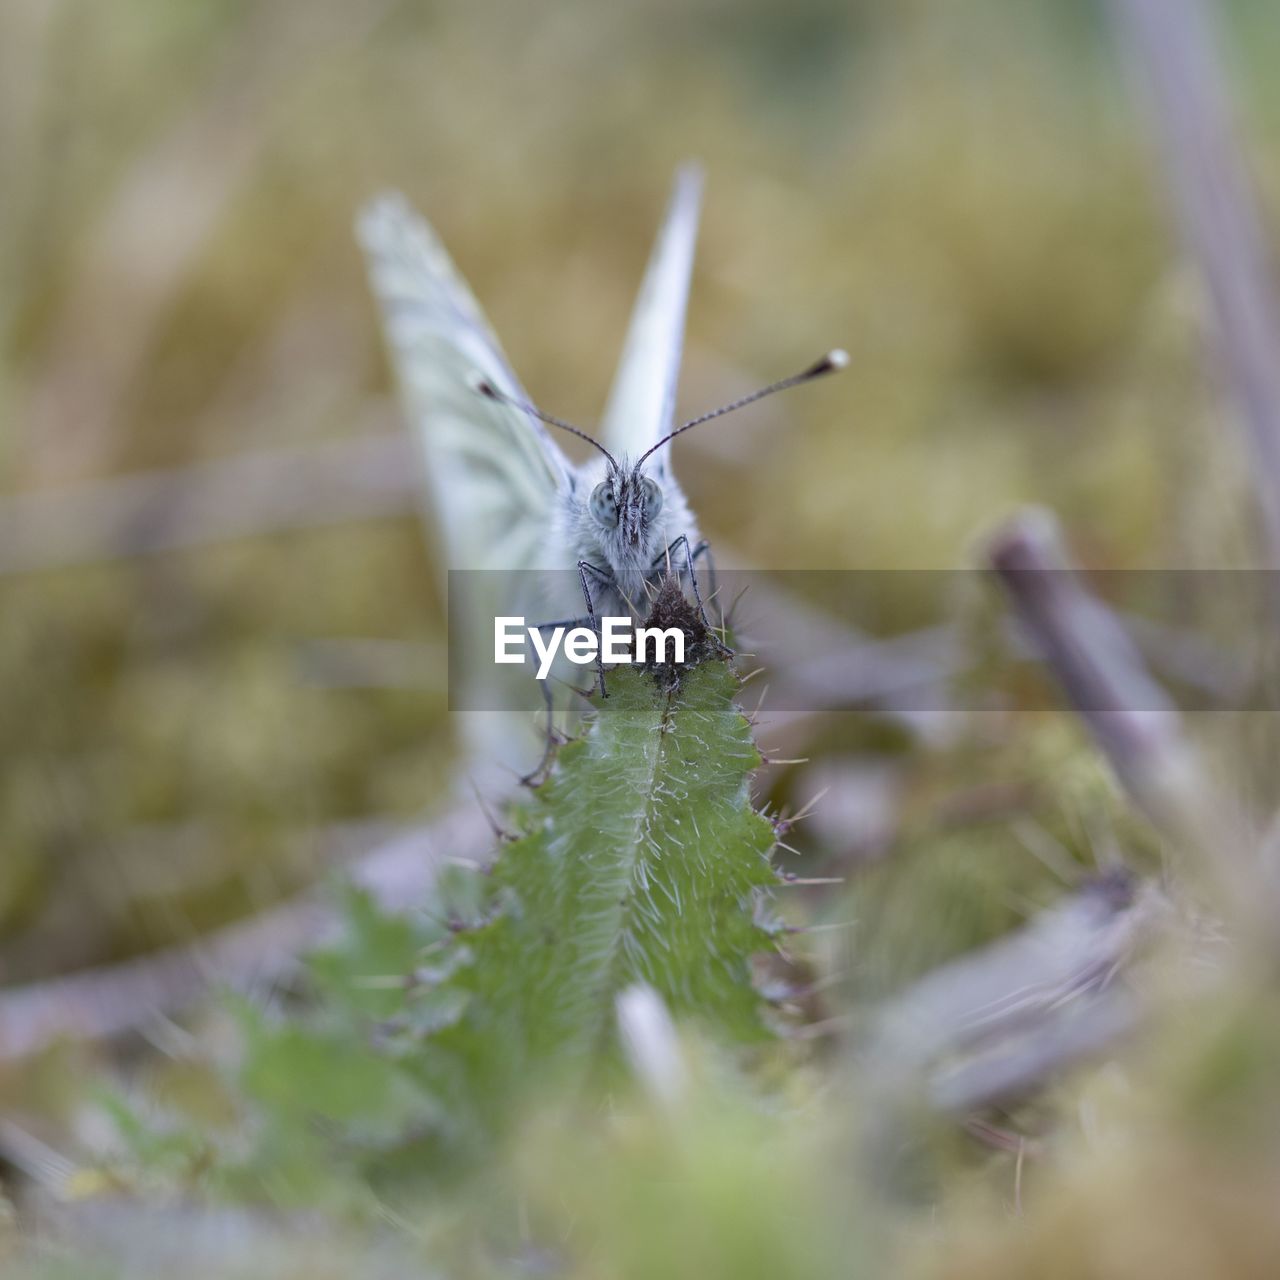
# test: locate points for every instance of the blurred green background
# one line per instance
(960, 195)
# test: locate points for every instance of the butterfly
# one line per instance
(503, 493)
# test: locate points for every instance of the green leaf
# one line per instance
(329, 1078)
(367, 970)
(641, 860)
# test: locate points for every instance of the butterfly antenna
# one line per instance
(490, 392)
(832, 362)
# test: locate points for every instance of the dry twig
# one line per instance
(1172, 43)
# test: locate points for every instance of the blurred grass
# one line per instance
(960, 197)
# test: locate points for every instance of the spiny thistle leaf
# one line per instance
(641, 859)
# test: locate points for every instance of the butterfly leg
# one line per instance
(539, 772)
(553, 739)
(567, 624)
(585, 567)
(703, 549)
(664, 562)
(703, 552)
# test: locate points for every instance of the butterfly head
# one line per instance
(625, 504)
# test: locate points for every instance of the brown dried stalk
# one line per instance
(1132, 720)
(1173, 46)
(996, 1025)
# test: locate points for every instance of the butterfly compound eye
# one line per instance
(652, 496)
(602, 505)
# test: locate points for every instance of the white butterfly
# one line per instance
(504, 494)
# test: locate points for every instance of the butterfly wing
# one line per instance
(491, 470)
(642, 402)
